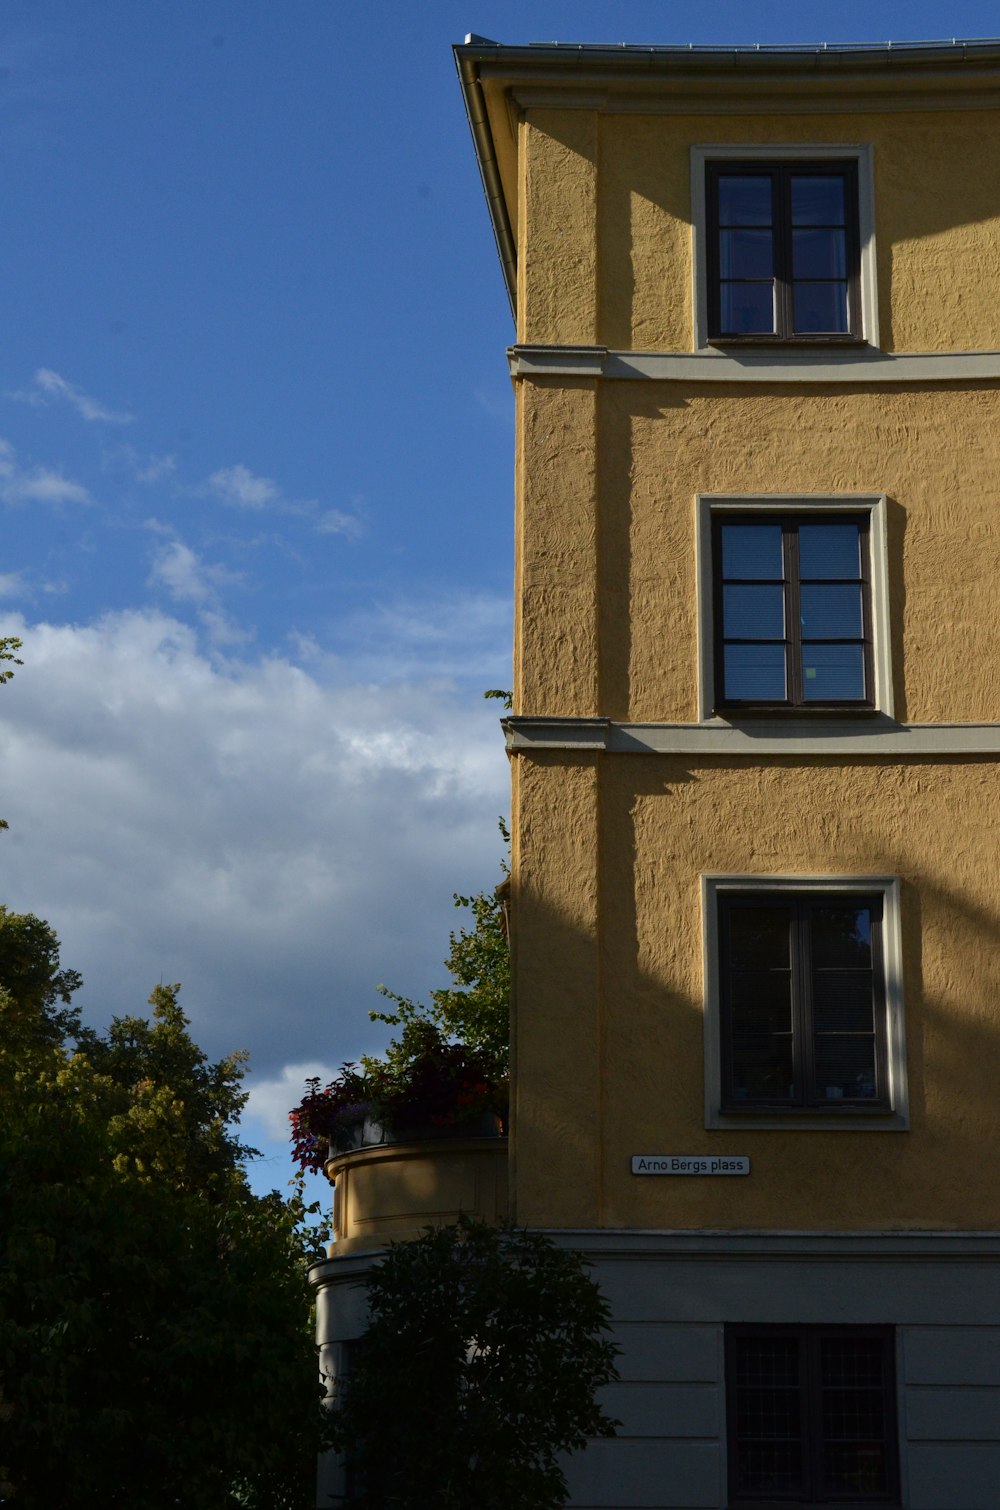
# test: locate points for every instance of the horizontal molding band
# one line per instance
(878, 736)
(854, 364)
(805, 1247)
(763, 96)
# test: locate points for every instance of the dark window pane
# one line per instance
(747, 309)
(767, 1414)
(763, 1361)
(755, 673)
(855, 1469)
(819, 309)
(759, 938)
(752, 550)
(770, 1467)
(762, 1003)
(762, 1069)
(755, 613)
(852, 1380)
(845, 1067)
(818, 199)
(829, 550)
(852, 1362)
(830, 613)
(833, 673)
(744, 199)
(843, 1001)
(841, 937)
(819, 254)
(747, 254)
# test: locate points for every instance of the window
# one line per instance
(792, 611)
(811, 1416)
(784, 244)
(783, 252)
(793, 606)
(803, 1011)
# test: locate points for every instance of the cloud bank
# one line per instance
(277, 838)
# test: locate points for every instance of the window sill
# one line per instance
(736, 714)
(729, 343)
(819, 1119)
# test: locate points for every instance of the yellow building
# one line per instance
(756, 904)
(754, 742)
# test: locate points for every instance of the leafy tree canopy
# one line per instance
(478, 1369)
(475, 1010)
(155, 1347)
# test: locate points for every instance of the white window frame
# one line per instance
(783, 152)
(710, 506)
(897, 1118)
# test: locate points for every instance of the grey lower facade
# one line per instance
(674, 1295)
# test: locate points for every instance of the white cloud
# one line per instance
(12, 584)
(155, 468)
(336, 522)
(272, 1099)
(238, 485)
(276, 838)
(50, 385)
(37, 484)
(241, 488)
(125, 459)
(186, 577)
(464, 635)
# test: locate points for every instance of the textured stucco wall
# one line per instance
(606, 222)
(609, 1056)
(607, 599)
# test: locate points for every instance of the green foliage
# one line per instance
(479, 1367)
(155, 1347)
(475, 1010)
(34, 983)
(9, 645)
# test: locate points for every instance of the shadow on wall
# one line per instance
(609, 1036)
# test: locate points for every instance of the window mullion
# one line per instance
(782, 201)
(805, 1045)
(793, 616)
(864, 542)
(812, 1415)
(801, 1057)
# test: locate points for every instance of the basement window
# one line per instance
(811, 1416)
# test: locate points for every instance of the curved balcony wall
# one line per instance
(391, 1191)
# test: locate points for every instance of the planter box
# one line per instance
(385, 1192)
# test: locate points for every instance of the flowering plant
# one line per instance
(327, 1117)
(448, 1064)
(425, 1081)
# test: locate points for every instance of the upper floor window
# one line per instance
(793, 611)
(804, 1002)
(793, 606)
(783, 252)
(784, 244)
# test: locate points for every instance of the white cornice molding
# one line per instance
(961, 1247)
(798, 735)
(854, 364)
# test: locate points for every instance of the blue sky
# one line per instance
(255, 470)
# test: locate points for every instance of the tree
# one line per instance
(475, 1010)
(479, 1367)
(155, 1347)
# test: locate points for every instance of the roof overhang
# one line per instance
(500, 82)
